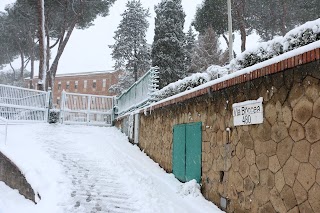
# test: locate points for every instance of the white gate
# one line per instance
(20, 105)
(86, 109)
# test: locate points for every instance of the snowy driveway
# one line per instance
(92, 169)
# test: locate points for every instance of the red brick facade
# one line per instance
(97, 83)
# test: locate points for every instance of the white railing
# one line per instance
(139, 93)
(84, 109)
(4, 122)
(20, 105)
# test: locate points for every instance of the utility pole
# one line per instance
(230, 31)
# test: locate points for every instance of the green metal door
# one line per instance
(187, 140)
(193, 151)
(179, 151)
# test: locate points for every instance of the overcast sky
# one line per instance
(87, 50)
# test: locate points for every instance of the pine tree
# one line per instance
(207, 51)
(276, 17)
(190, 44)
(214, 14)
(130, 51)
(168, 49)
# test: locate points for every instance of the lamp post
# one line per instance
(230, 31)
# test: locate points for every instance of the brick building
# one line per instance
(97, 83)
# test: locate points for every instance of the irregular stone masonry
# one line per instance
(12, 176)
(270, 167)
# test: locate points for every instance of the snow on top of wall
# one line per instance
(298, 37)
(247, 70)
(297, 41)
(213, 72)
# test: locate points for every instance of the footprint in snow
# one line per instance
(77, 204)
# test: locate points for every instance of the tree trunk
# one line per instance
(42, 46)
(135, 65)
(227, 41)
(48, 79)
(62, 45)
(243, 36)
(22, 64)
(240, 16)
(32, 59)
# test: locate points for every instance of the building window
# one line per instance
(76, 85)
(68, 85)
(85, 84)
(58, 100)
(94, 84)
(59, 85)
(104, 83)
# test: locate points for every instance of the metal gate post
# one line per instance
(88, 110)
(62, 105)
(47, 112)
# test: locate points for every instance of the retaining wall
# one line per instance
(11, 175)
(268, 167)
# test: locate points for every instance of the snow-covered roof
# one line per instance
(83, 73)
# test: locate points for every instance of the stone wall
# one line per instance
(270, 167)
(11, 175)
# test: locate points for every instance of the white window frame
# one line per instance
(104, 83)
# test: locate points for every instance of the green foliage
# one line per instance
(189, 47)
(54, 116)
(268, 17)
(212, 14)
(131, 51)
(206, 52)
(304, 35)
(190, 82)
(275, 17)
(20, 26)
(168, 48)
(8, 78)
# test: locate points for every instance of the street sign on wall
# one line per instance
(248, 112)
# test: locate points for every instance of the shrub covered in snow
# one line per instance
(298, 37)
(213, 72)
(54, 116)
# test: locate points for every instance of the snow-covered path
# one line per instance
(95, 184)
(93, 169)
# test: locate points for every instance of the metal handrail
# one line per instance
(139, 93)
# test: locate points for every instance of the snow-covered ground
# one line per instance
(91, 169)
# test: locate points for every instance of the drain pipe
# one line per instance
(224, 200)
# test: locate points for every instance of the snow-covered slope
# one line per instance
(92, 169)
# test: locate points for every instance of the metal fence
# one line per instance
(84, 109)
(139, 93)
(20, 105)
